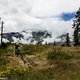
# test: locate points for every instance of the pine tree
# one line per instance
(54, 43)
(46, 43)
(67, 40)
(76, 27)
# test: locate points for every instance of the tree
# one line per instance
(67, 43)
(2, 23)
(54, 43)
(2, 32)
(46, 43)
(76, 27)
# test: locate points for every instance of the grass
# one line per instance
(47, 63)
(59, 55)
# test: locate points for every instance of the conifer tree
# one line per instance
(76, 27)
(67, 40)
(54, 43)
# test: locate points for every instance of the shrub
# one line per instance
(3, 45)
(58, 55)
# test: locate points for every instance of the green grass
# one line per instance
(59, 55)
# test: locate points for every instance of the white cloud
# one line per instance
(21, 15)
(43, 8)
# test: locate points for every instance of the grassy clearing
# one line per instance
(47, 63)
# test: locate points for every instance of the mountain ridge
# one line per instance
(27, 36)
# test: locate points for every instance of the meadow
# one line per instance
(46, 63)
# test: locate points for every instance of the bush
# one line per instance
(3, 45)
(58, 55)
(16, 73)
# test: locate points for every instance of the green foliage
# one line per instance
(3, 61)
(58, 55)
(76, 27)
(13, 73)
(67, 40)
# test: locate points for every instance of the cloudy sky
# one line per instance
(53, 15)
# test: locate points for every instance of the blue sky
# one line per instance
(67, 16)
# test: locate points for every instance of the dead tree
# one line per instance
(2, 31)
(2, 23)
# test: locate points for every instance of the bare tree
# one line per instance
(2, 23)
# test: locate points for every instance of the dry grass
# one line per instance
(46, 63)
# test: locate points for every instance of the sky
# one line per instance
(55, 16)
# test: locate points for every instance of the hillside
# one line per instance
(43, 62)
